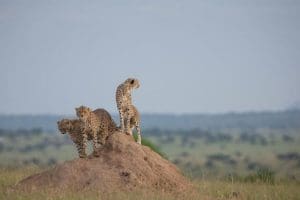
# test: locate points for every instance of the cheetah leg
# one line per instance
(101, 138)
(84, 143)
(95, 142)
(139, 137)
(127, 126)
(105, 135)
(121, 121)
(81, 149)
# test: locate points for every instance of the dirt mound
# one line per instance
(122, 165)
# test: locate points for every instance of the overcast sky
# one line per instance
(197, 56)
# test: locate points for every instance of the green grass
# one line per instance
(193, 160)
(242, 153)
(151, 145)
(246, 190)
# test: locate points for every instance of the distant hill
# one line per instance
(294, 106)
(249, 120)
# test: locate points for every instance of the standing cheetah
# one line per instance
(80, 138)
(99, 127)
(123, 98)
(132, 119)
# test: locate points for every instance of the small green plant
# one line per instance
(266, 175)
(148, 143)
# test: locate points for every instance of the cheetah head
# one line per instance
(83, 113)
(133, 83)
(64, 126)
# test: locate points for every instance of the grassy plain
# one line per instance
(222, 165)
(205, 189)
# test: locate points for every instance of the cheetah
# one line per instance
(99, 127)
(132, 118)
(80, 138)
(73, 128)
(123, 98)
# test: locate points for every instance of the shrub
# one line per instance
(148, 143)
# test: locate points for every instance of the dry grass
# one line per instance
(206, 189)
(241, 190)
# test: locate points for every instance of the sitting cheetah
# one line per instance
(132, 118)
(123, 98)
(73, 127)
(98, 124)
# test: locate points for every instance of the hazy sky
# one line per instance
(190, 56)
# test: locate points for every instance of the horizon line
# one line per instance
(164, 113)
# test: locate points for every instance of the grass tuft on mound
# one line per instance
(151, 145)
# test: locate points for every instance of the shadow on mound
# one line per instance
(122, 165)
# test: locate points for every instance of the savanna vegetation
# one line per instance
(251, 158)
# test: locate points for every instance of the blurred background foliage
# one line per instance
(243, 146)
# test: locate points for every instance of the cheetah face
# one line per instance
(83, 113)
(64, 126)
(133, 83)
